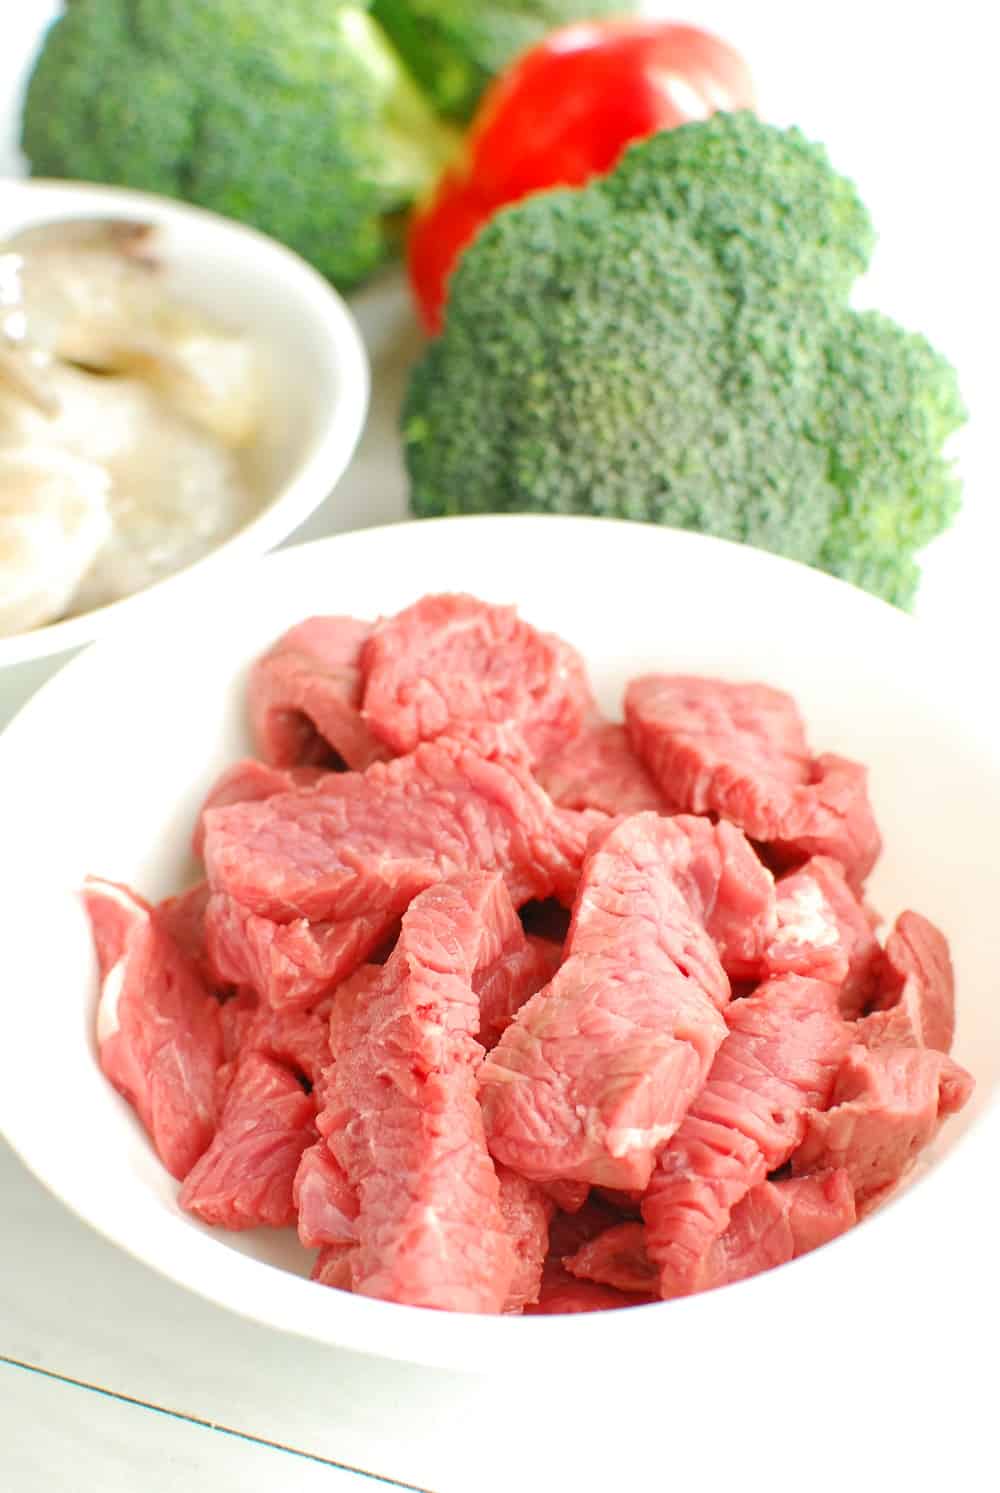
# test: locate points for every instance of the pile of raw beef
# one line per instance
(509, 1008)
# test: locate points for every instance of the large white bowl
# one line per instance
(315, 368)
(104, 769)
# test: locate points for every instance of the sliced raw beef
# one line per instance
(326, 1204)
(617, 1258)
(774, 1223)
(368, 843)
(333, 1265)
(158, 1034)
(778, 1222)
(304, 696)
(779, 1061)
(563, 1293)
(452, 660)
(598, 769)
(298, 1039)
(727, 889)
(569, 1197)
(183, 919)
(739, 751)
(526, 1212)
(245, 1177)
(915, 1003)
(292, 966)
(886, 1107)
(250, 781)
(596, 1072)
(568, 1231)
(503, 990)
(401, 1115)
(824, 932)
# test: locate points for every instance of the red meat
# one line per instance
(915, 1002)
(563, 1293)
(245, 1177)
(739, 751)
(401, 1115)
(451, 660)
(526, 1212)
(304, 697)
(598, 769)
(886, 1107)
(250, 781)
(370, 841)
(158, 1034)
(825, 933)
(779, 1060)
(504, 989)
(597, 1070)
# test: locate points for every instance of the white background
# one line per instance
(904, 97)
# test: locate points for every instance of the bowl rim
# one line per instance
(879, 1279)
(317, 469)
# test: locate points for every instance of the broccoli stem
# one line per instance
(421, 144)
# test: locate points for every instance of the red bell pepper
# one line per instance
(562, 113)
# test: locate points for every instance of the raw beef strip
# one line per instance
(824, 932)
(503, 990)
(915, 1003)
(886, 1107)
(739, 751)
(245, 1177)
(777, 1222)
(292, 966)
(774, 1223)
(370, 841)
(563, 1293)
(779, 1060)
(569, 1197)
(598, 769)
(298, 1039)
(183, 919)
(727, 889)
(526, 1212)
(448, 660)
(402, 1118)
(333, 1265)
(304, 696)
(618, 1258)
(250, 781)
(158, 1033)
(568, 1231)
(595, 1073)
(326, 1204)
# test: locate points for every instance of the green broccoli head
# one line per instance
(455, 47)
(296, 118)
(626, 349)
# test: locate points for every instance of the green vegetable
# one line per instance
(454, 47)
(673, 343)
(293, 115)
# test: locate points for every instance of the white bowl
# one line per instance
(315, 369)
(110, 760)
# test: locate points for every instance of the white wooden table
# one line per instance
(113, 1380)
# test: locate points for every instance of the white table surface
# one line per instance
(114, 1380)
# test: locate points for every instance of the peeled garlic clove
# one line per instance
(54, 518)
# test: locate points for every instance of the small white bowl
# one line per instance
(315, 369)
(106, 768)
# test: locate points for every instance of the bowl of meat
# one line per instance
(176, 391)
(501, 941)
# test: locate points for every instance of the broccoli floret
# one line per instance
(454, 47)
(628, 349)
(297, 117)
